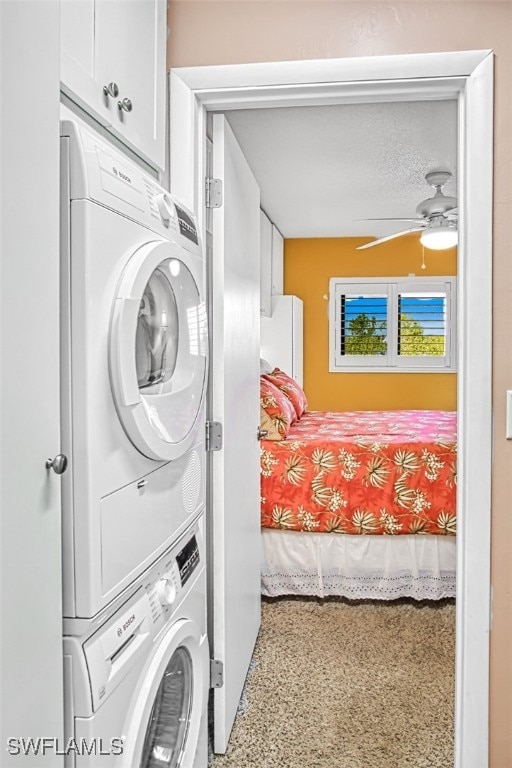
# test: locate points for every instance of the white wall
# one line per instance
(30, 554)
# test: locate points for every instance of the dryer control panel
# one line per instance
(186, 224)
(104, 175)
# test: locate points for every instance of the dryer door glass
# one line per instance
(167, 729)
(171, 347)
(156, 341)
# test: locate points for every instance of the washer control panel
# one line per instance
(188, 560)
(166, 585)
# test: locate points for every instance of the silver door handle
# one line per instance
(125, 105)
(112, 89)
(58, 464)
(262, 433)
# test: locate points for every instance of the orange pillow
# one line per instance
(277, 407)
(290, 388)
(269, 427)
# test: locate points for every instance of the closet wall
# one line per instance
(308, 266)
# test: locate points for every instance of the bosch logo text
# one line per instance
(121, 175)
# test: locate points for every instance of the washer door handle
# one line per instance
(59, 464)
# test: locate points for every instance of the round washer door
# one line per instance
(162, 727)
(159, 349)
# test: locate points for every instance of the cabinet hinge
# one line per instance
(213, 437)
(213, 193)
(216, 673)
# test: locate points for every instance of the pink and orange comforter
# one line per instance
(363, 472)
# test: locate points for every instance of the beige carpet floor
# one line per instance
(335, 684)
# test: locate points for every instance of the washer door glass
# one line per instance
(170, 350)
(169, 720)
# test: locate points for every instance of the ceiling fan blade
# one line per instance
(415, 221)
(389, 237)
(452, 214)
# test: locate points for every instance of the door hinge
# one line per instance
(213, 436)
(216, 673)
(213, 193)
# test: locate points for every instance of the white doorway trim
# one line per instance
(467, 76)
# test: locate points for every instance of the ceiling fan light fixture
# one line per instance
(439, 237)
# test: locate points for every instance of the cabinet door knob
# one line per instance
(125, 105)
(111, 90)
(58, 464)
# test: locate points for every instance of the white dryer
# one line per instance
(134, 366)
(136, 676)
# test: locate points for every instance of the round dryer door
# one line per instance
(159, 348)
(166, 711)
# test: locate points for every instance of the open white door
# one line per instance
(31, 661)
(234, 382)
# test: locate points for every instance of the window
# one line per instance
(392, 324)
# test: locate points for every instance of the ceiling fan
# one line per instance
(436, 217)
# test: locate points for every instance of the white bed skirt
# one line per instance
(368, 567)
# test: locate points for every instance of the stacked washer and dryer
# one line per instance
(134, 366)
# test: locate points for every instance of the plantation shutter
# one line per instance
(423, 325)
(390, 323)
(362, 322)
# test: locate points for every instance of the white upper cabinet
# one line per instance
(265, 265)
(113, 65)
(281, 340)
(277, 261)
(78, 69)
(271, 264)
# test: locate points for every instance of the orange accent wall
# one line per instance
(308, 266)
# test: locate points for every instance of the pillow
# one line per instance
(290, 388)
(270, 426)
(277, 408)
(265, 366)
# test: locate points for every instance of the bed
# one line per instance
(357, 504)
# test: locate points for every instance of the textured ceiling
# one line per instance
(321, 168)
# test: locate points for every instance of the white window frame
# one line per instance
(392, 362)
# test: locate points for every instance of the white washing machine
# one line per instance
(136, 676)
(134, 366)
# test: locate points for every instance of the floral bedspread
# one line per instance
(363, 472)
